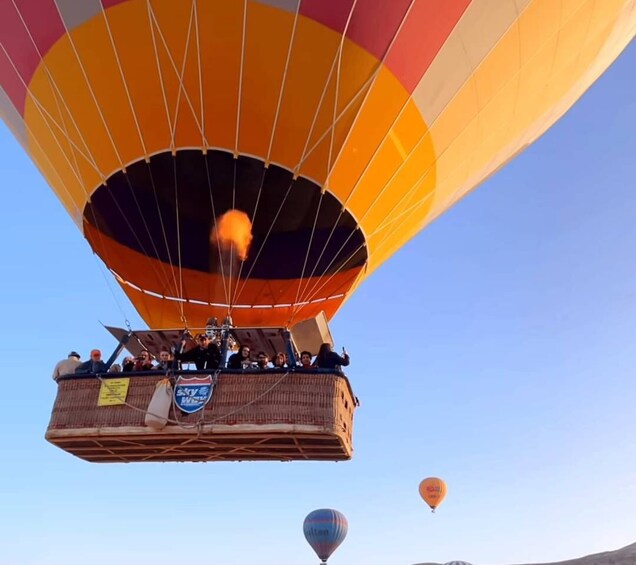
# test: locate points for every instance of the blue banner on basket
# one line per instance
(193, 393)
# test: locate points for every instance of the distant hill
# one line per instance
(624, 556)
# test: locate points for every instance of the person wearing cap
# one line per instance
(67, 366)
(93, 365)
(206, 356)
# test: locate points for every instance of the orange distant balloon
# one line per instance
(433, 491)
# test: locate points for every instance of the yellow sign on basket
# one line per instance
(113, 392)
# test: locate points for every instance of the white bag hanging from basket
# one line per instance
(159, 407)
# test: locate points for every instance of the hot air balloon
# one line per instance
(332, 125)
(433, 491)
(457, 563)
(325, 529)
(256, 160)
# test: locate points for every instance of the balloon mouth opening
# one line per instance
(266, 249)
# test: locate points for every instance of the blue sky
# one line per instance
(494, 350)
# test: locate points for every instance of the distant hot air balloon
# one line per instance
(325, 529)
(433, 491)
(338, 129)
(457, 563)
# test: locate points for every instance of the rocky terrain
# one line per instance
(624, 556)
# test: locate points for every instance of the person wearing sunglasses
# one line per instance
(93, 365)
(206, 356)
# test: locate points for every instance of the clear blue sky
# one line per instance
(509, 325)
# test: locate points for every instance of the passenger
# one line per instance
(280, 361)
(240, 359)
(165, 361)
(206, 355)
(93, 365)
(115, 368)
(143, 362)
(129, 364)
(262, 360)
(305, 360)
(328, 359)
(67, 366)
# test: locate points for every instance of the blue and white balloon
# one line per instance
(325, 529)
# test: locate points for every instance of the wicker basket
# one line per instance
(251, 416)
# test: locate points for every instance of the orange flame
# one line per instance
(234, 228)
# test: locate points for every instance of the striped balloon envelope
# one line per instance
(457, 563)
(325, 529)
(263, 157)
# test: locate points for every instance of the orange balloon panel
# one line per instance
(339, 129)
(255, 301)
(433, 491)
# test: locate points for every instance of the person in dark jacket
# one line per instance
(93, 365)
(143, 362)
(262, 361)
(164, 363)
(305, 360)
(279, 361)
(206, 356)
(328, 359)
(129, 364)
(240, 359)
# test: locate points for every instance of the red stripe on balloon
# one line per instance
(110, 3)
(375, 23)
(427, 27)
(42, 26)
(11, 83)
(422, 27)
(331, 13)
